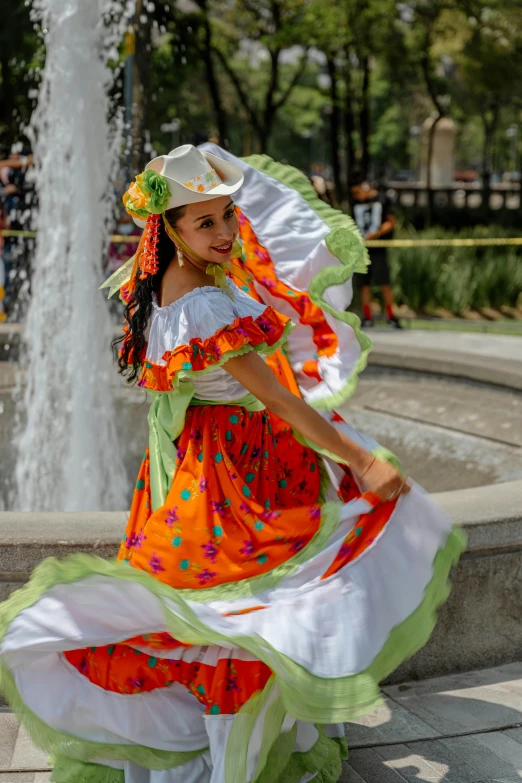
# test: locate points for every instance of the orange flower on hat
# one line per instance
(137, 196)
(201, 188)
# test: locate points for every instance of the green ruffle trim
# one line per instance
(277, 761)
(69, 771)
(345, 243)
(348, 698)
(307, 697)
(281, 766)
(343, 747)
(241, 732)
(59, 744)
(343, 228)
(324, 759)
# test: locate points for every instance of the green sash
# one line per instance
(166, 420)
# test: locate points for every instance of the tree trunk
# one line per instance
(348, 132)
(264, 136)
(139, 78)
(247, 140)
(269, 108)
(262, 122)
(212, 81)
(7, 103)
(334, 129)
(242, 95)
(432, 92)
(489, 130)
(429, 192)
(364, 117)
(486, 172)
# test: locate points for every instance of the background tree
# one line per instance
(338, 82)
(435, 76)
(490, 65)
(247, 32)
(21, 56)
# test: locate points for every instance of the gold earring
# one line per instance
(180, 257)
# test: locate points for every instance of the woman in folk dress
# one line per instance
(276, 563)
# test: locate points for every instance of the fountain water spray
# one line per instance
(68, 456)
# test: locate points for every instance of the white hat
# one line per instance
(193, 175)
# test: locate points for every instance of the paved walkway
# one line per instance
(466, 728)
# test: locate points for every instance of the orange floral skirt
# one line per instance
(244, 499)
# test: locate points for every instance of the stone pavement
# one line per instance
(465, 728)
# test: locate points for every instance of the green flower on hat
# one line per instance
(156, 187)
(148, 195)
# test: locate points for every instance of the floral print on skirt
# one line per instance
(244, 499)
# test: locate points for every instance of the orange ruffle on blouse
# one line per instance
(200, 355)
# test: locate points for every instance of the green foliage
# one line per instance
(21, 56)
(456, 278)
(392, 63)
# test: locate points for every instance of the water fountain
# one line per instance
(68, 455)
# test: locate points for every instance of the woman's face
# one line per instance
(209, 228)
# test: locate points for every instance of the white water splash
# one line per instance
(68, 455)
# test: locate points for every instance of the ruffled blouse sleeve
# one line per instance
(204, 329)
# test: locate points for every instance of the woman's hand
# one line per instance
(383, 480)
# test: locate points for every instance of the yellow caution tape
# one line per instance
(130, 41)
(32, 235)
(489, 242)
(25, 234)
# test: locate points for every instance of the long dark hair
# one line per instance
(139, 307)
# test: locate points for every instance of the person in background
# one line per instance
(15, 203)
(321, 188)
(3, 314)
(372, 211)
(3, 225)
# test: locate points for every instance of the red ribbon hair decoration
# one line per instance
(149, 261)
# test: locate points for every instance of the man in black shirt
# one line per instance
(374, 216)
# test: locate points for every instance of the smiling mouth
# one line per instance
(223, 249)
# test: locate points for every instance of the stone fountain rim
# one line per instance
(490, 370)
(491, 515)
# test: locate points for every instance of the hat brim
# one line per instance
(232, 178)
